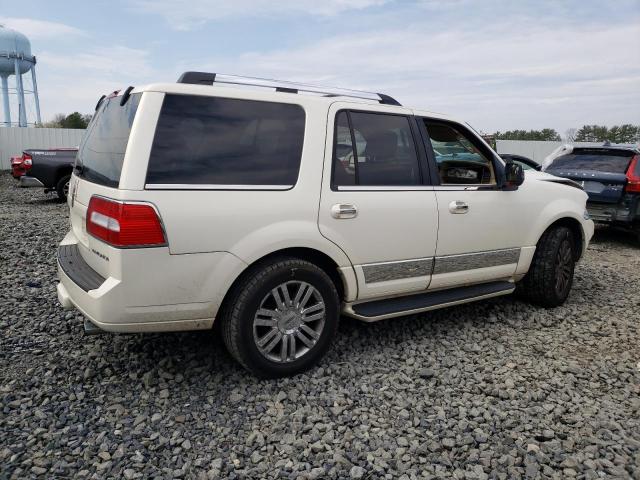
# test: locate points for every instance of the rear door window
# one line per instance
(602, 161)
(222, 141)
(103, 146)
(374, 149)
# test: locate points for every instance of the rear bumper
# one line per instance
(26, 181)
(626, 212)
(143, 300)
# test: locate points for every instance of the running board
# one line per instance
(397, 306)
(91, 328)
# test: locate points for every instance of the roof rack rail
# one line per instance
(204, 78)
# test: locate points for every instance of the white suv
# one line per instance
(270, 208)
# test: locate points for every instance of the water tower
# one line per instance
(16, 59)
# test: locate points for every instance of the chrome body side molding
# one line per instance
(471, 261)
(420, 267)
(382, 272)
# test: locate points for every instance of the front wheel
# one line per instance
(280, 319)
(550, 275)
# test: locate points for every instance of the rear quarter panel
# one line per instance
(249, 224)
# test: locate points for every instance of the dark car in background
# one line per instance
(610, 175)
(47, 168)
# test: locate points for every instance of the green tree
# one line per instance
(625, 133)
(545, 134)
(73, 120)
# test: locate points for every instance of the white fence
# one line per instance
(535, 150)
(13, 140)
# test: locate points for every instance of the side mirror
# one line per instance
(514, 175)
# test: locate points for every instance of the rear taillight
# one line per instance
(27, 161)
(122, 224)
(633, 176)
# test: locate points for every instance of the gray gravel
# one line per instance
(497, 389)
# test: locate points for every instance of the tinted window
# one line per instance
(222, 141)
(385, 154)
(102, 149)
(459, 160)
(607, 161)
(344, 171)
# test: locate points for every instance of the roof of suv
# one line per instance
(212, 84)
(261, 93)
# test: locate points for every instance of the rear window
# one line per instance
(102, 149)
(223, 141)
(599, 161)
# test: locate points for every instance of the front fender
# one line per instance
(570, 207)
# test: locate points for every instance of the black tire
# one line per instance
(550, 275)
(62, 187)
(248, 296)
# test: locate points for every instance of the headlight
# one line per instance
(586, 215)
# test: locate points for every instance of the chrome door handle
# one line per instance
(344, 210)
(458, 206)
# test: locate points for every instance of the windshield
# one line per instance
(599, 161)
(103, 146)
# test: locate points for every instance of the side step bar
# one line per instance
(397, 306)
(91, 328)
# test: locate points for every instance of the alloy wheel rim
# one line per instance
(289, 321)
(65, 189)
(564, 267)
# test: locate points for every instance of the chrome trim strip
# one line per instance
(461, 188)
(347, 308)
(414, 188)
(379, 188)
(192, 186)
(382, 272)
(471, 261)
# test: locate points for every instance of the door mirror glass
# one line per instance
(514, 174)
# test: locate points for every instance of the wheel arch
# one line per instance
(343, 277)
(61, 172)
(576, 229)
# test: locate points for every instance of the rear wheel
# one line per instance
(550, 275)
(281, 318)
(62, 187)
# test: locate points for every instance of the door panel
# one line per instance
(388, 232)
(481, 226)
(483, 243)
(391, 242)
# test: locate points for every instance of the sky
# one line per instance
(497, 64)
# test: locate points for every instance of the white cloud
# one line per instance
(116, 60)
(75, 81)
(188, 14)
(506, 75)
(40, 29)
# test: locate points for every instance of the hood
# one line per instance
(547, 177)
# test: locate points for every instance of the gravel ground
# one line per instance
(496, 389)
